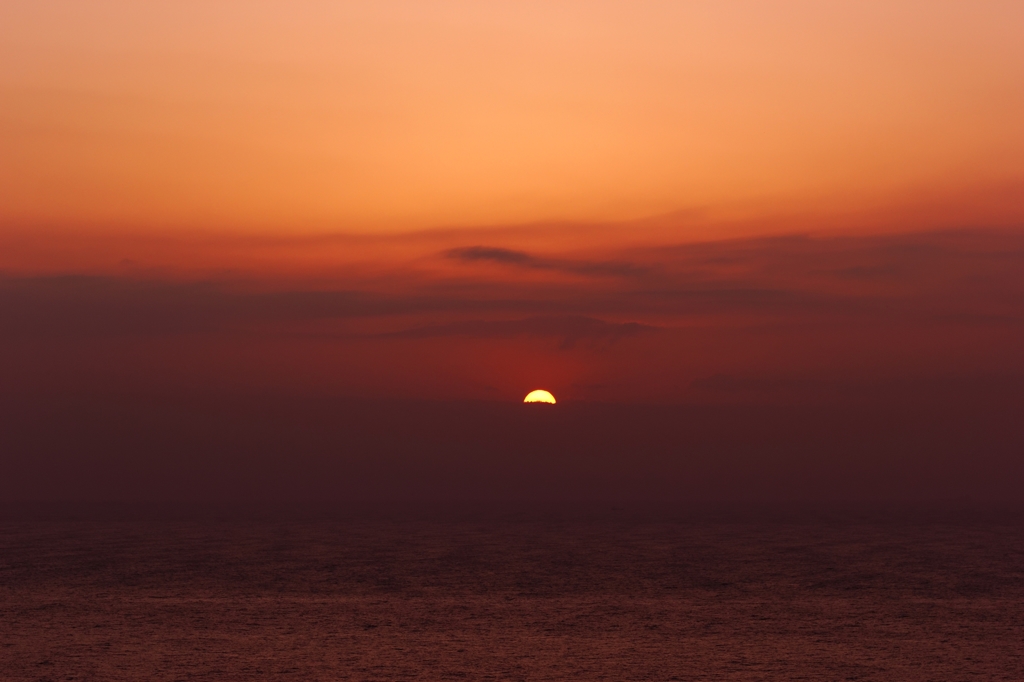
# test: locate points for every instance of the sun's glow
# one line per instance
(539, 396)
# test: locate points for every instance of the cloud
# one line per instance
(501, 256)
(725, 383)
(571, 329)
(486, 253)
(964, 278)
(937, 384)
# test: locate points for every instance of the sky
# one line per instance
(309, 249)
(322, 117)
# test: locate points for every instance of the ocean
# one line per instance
(513, 598)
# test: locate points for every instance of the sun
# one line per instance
(539, 396)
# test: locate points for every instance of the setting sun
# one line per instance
(539, 396)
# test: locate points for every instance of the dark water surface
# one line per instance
(512, 600)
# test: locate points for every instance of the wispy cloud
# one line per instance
(966, 278)
(570, 329)
(509, 257)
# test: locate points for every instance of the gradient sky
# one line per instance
(324, 116)
(791, 214)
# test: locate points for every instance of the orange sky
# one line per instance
(773, 236)
(620, 201)
(309, 117)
